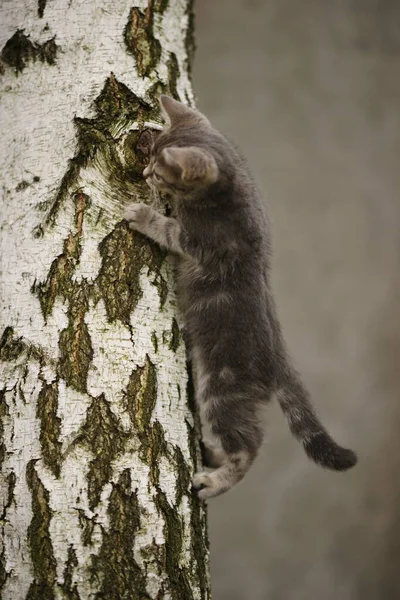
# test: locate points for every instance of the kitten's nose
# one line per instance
(146, 172)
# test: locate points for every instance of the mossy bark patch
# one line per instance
(19, 50)
(116, 108)
(43, 561)
(76, 352)
(11, 480)
(160, 5)
(124, 254)
(11, 347)
(178, 579)
(68, 589)
(190, 42)
(50, 426)
(183, 483)
(140, 40)
(175, 336)
(141, 396)
(173, 76)
(87, 526)
(59, 279)
(122, 577)
(3, 413)
(103, 436)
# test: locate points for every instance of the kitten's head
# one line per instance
(182, 161)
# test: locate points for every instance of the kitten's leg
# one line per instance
(163, 230)
(212, 457)
(240, 440)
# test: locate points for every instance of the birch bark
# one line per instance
(97, 434)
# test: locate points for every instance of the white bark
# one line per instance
(98, 439)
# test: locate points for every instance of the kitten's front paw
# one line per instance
(138, 216)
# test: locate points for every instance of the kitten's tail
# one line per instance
(307, 429)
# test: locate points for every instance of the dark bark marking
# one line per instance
(141, 395)
(50, 426)
(59, 279)
(43, 561)
(160, 6)
(8, 500)
(173, 76)
(175, 336)
(69, 590)
(76, 352)
(183, 484)
(10, 347)
(198, 513)
(124, 254)
(87, 526)
(122, 576)
(116, 104)
(19, 50)
(179, 581)
(190, 41)
(140, 41)
(3, 413)
(105, 439)
(41, 7)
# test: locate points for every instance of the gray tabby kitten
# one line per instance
(219, 232)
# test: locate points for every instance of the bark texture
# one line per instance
(98, 440)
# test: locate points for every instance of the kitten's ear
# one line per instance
(194, 164)
(176, 113)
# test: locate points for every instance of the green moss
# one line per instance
(41, 549)
(102, 435)
(140, 40)
(19, 50)
(122, 577)
(50, 426)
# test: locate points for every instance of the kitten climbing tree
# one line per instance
(98, 440)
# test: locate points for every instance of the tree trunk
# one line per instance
(98, 440)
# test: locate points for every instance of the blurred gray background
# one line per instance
(310, 90)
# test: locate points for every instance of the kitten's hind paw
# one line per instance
(202, 482)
